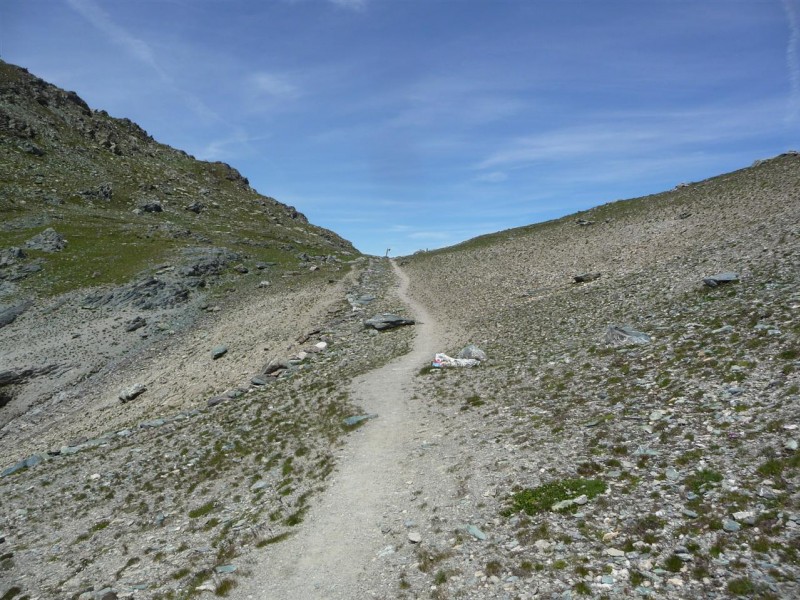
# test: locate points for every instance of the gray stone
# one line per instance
(387, 321)
(152, 424)
(218, 351)
(472, 352)
(152, 207)
(10, 314)
(258, 485)
(617, 335)
(258, 380)
(132, 392)
(217, 400)
(356, 419)
(564, 504)
(721, 279)
(135, 324)
(475, 532)
(672, 474)
(48, 240)
(415, 537)
(730, 525)
(225, 569)
(586, 277)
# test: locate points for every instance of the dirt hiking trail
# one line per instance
(343, 533)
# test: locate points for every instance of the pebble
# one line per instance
(225, 569)
(218, 351)
(475, 532)
(415, 537)
(730, 525)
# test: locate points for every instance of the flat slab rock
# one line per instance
(721, 279)
(387, 321)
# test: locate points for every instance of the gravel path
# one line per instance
(343, 534)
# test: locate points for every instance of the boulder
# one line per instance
(135, 324)
(152, 207)
(387, 321)
(620, 336)
(132, 392)
(8, 315)
(586, 277)
(48, 241)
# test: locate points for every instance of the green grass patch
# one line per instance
(702, 478)
(542, 498)
(201, 511)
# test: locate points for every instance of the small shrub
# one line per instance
(494, 567)
(741, 586)
(224, 587)
(582, 588)
(673, 563)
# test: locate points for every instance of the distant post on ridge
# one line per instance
(387, 252)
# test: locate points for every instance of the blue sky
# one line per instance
(410, 124)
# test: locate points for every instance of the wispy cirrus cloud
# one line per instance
(793, 58)
(235, 145)
(141, 51)
(357, 5)
(492, 177)
(272, 85)
(133, 45)
(637, 136)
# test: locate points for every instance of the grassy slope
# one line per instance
(108, 243)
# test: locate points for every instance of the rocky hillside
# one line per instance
(122, 201)
(662, 463)
(110, 241)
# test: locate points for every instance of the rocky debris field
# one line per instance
(594, 467)
(159, 499)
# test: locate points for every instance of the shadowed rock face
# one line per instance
(8, 315)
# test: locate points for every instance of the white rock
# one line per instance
(415, 537)
(615, 552)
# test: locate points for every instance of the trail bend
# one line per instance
(336, 546)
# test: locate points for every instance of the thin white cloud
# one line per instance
(135, 46)
(792, 59)
(430, 235)
(493, 177)
(139, 50)
(273, 85)
(234, 146)
(636, 136)
(357, 5)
